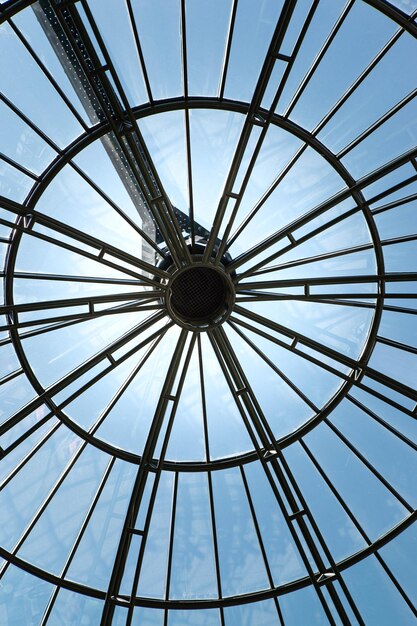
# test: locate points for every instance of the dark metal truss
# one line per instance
(166, 232)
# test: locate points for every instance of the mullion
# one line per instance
(183, 32)
(69, 321)
(228, 46)
(342, 195)
(74, 278)
(171, 543)
(118, 210)
(377, 124)
(332, 280)
(382, 422)
(139, 50)
(275, 368)
(369, 466)
(48, 75)
(331, 353)
(267, 121)
(397, 344)
(30, 123)
(143, 471)
(80, 535)
(259, 538)
(215, 544)
(328, 298)
(317, 60)
(396, 584)
(170, 225)
(264, 76)
(18, 167)
(394, 204)
(189, 173)
(7, 377)
(203, 398)
(234, 379)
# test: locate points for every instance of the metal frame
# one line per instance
(166, 234)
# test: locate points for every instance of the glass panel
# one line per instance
(193, 568)
(339, 532)
(22, 144)
(94, 558)
(23, 495)
(207, 26)
(75, 609)
(255, 24)
(55, 120)
(226, 436)
(50, 541)
(162, 52)
(207, 617)
(401, 557)
(283, 556)
(115, 28)
(259, 613)
(296, 605)
(241, 564)
(152, 580)
(374, 506)
(375, 595)
(23, 597)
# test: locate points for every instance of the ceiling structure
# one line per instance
(208, 335)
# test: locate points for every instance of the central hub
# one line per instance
(200, 296)
(198, 293)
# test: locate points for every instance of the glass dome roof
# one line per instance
(208, 340)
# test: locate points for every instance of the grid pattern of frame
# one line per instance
(304, 509)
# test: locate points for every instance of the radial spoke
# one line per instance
(319, 57)
(29, 219)
(103, 356)
(275, 368)
(165, 410)
(319, 210)
(348, 93)
(106, 101)
(90, 301)
(356, 366)
(250, 120)
(139, 50)
(255, 423)
(60, 321)
(228, 47)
